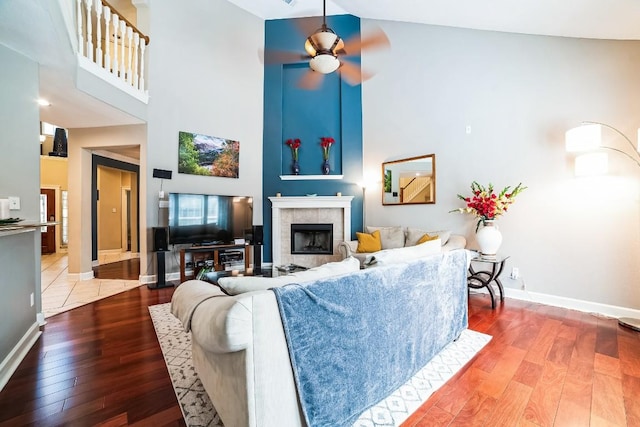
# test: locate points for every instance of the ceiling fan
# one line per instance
(327, 52)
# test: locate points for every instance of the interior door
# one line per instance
(48, 213)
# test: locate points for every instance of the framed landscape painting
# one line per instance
(208, 155)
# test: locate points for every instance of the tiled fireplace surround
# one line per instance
(285, 211)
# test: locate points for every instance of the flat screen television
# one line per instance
(206, 219)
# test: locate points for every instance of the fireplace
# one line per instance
(335, 210)
(312, 239)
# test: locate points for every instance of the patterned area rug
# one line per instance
(391, 412)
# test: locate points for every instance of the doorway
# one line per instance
(48, 213)
(115, 221)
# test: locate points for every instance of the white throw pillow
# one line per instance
(391, 237)
(412, 235)
(238, 285)
(408, 253)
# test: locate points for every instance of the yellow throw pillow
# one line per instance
(426, 238)
(368, 243)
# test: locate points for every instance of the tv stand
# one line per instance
(210, 256)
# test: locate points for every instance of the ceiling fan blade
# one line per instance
(270, 57)
(308, 25)
(311, 80)
(375, 40)
(352, 73)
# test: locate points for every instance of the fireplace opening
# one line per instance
(312, 239)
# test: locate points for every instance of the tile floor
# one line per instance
(60, 294)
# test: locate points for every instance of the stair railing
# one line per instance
(116, 46)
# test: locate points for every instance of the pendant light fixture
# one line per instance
(323, 47)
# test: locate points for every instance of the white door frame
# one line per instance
(125, 209)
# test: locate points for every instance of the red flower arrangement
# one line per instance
(326, 142)
(485, 204)
(294, 144)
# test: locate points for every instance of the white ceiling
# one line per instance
(600, 19)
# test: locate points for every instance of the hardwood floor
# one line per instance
(125, 269)
(101, 364)
(545, 366)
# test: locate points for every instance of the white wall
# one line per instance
(573, 238)
(19, 176)
(205, 76)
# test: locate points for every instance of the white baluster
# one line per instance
(99, 33)
(129, 66)
(89, 31)
(107, 38)
(80, 26)
(135, 68)
(142, 61)
(115, 44)
(123, 34)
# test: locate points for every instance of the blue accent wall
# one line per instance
(333, 110)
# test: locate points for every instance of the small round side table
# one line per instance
(485, 278)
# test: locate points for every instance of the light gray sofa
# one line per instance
(394, 237)
(240, 351)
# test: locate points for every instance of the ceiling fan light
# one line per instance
(324, 63)
(308, 46)
(323, 41)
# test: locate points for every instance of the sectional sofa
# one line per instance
(320, 347)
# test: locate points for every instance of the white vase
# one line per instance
(489, 238)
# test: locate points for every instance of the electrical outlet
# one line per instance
(14, 203)
(515, 273)
(32, 299)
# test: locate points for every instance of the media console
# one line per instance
(218, 257)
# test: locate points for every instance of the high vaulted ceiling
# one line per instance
(27, 26)
(600, 19)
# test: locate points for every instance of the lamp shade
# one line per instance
(59, 143)
(324, 63)
(591, 164)
(583, 138)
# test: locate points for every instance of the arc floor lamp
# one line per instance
(587, 139)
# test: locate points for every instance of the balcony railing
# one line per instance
(108, 40)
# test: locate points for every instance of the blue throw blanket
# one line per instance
(355, 339)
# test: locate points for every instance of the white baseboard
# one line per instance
(88, 275)
(147, 278)
(564, 302)
(152, 278)
(110, 252)
(18, 353)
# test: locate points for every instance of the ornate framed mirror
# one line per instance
(409, 181)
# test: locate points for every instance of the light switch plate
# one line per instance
(14, 203)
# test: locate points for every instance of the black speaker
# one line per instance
(160, 239)
(257, 260)
(161, 173)
(257, 235)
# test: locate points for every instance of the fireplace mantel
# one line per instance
(292, 202)
(306, 202)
